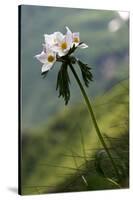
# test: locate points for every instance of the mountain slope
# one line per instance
(47, 150)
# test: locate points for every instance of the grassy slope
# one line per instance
(47, 149)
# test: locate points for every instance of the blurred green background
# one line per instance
(49, 128)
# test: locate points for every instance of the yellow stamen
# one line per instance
(50, 58)
(64, 45)
(76, 40)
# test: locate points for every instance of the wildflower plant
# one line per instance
(60, 48)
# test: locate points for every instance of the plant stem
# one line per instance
(94, 120)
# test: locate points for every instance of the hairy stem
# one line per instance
(94, 120)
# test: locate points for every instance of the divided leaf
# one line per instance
(86, 73)
(63, 82)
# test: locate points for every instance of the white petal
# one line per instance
(41, 57)
(56, 48)
(83, 46)
(69, 40)
(59, 37)
(62, 53)
(68, 30)
(50, 39)
(51, 51)
(45, 47)
(76, 34)
(46, 67)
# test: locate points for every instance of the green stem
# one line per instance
(94, 120)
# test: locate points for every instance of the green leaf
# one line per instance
(63, 83)
(86, 73)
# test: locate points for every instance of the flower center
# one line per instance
(64, 45)
(51, 58)
(76, 40)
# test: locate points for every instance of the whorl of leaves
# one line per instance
(63, 83)
(86, 73)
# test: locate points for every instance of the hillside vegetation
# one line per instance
(55, 155)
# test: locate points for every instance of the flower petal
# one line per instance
(83, 45)
(68, 30)
(62, 53)
(76, 34)
(56, 49)
(49, 38)
(46, 67)
(51, 51)
(59, 37)
(69, 40)
(41, 57)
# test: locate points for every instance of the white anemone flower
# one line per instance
(75, 38)
(52, 39)
(47, 57)
(59, 43)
